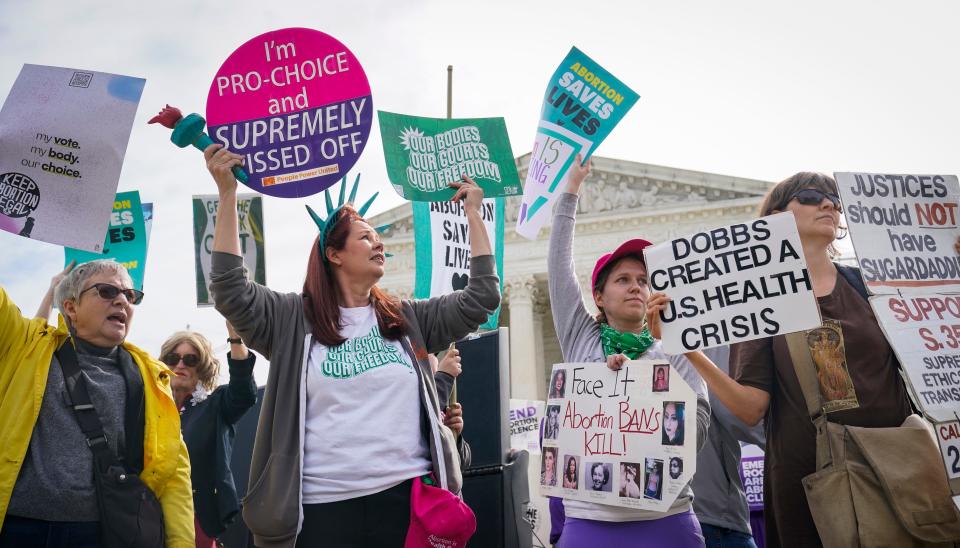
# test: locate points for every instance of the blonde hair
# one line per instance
(208, 370)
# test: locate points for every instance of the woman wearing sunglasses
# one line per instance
(48, 496)
(350, 417)
(766, 383)
(207, 418)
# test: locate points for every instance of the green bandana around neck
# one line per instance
(630, 344)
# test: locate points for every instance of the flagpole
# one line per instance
(453, 392)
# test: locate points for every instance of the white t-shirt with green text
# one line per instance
(362, 428)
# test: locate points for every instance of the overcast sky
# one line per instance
(752, 89)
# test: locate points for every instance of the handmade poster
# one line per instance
(126, 240)
(903, 228)
(250, 212)
(734, 283)
(423, 155)
(63, 136)
(948, 437)
(442, 247)
(296, 104)
(924, 331)
(582, 105)
(751, 474)
(612, 440)
(525, 416)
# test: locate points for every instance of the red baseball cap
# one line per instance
(633, 247)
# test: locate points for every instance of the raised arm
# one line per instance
(451, 317)
(46, 304)
(241, 392)
(570, 316)
(747, 403)
(249, 306)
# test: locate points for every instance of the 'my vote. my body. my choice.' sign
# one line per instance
(734, 283)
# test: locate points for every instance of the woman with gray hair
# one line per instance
(48, 496)
(208, 416)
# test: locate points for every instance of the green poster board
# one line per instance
(126, 239)
(424, 154)
(250, 211)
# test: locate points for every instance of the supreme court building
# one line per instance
(620, 200)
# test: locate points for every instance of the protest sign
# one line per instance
(126, 240)
(442, 247)
(582, 105)
(948, 437)
(296, 104)
(924, 331)
(734, 283)
(610, 438)
(63, 136)
(250, 212)
(903, 228)
(424, 154)
(751, 474)
(525, 416)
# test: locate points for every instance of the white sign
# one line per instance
(621, 438)
(948, 435)
(903, 228)
(63, 136)
(734, 283)
(525, 416)
(554, 151)
(924, 331)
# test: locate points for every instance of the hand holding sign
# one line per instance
(578, 172)
(221, 163)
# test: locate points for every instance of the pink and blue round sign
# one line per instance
(296, 104)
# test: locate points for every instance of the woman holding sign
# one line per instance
(618, 333)
(350, 419)
(766, 383)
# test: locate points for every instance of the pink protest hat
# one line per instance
(629, 247)
(438, 518)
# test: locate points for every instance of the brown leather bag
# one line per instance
(874, 486)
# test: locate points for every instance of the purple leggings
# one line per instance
(677, 531)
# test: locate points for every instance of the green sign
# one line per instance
(425, 154)
(250, 211)
(126, 240)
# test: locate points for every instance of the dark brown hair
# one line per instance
(780, 195)
(321, 294)
(602, 277)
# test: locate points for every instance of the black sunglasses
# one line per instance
(189, 360)
(110, 292)
(812, 196)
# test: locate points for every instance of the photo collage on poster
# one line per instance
(616, 445)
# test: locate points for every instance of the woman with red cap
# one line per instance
(617, 334)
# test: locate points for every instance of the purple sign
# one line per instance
(297, 105)
(751, 472)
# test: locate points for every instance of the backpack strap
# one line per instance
(78, 399)
(853, 277)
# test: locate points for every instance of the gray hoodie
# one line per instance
(275, 325)
(579, 335)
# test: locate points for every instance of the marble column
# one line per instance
(525, 378)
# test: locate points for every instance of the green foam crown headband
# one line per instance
(333, 213)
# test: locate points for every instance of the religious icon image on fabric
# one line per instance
(829, 354)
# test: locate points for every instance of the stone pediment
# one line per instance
(615, 187)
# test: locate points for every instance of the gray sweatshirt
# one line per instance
(579, 335)
(720, 498)
(275, 325)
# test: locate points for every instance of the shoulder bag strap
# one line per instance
(78, 399)
(805, 369)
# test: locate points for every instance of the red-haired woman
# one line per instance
(350, 415)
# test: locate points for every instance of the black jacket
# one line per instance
(208, 430)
